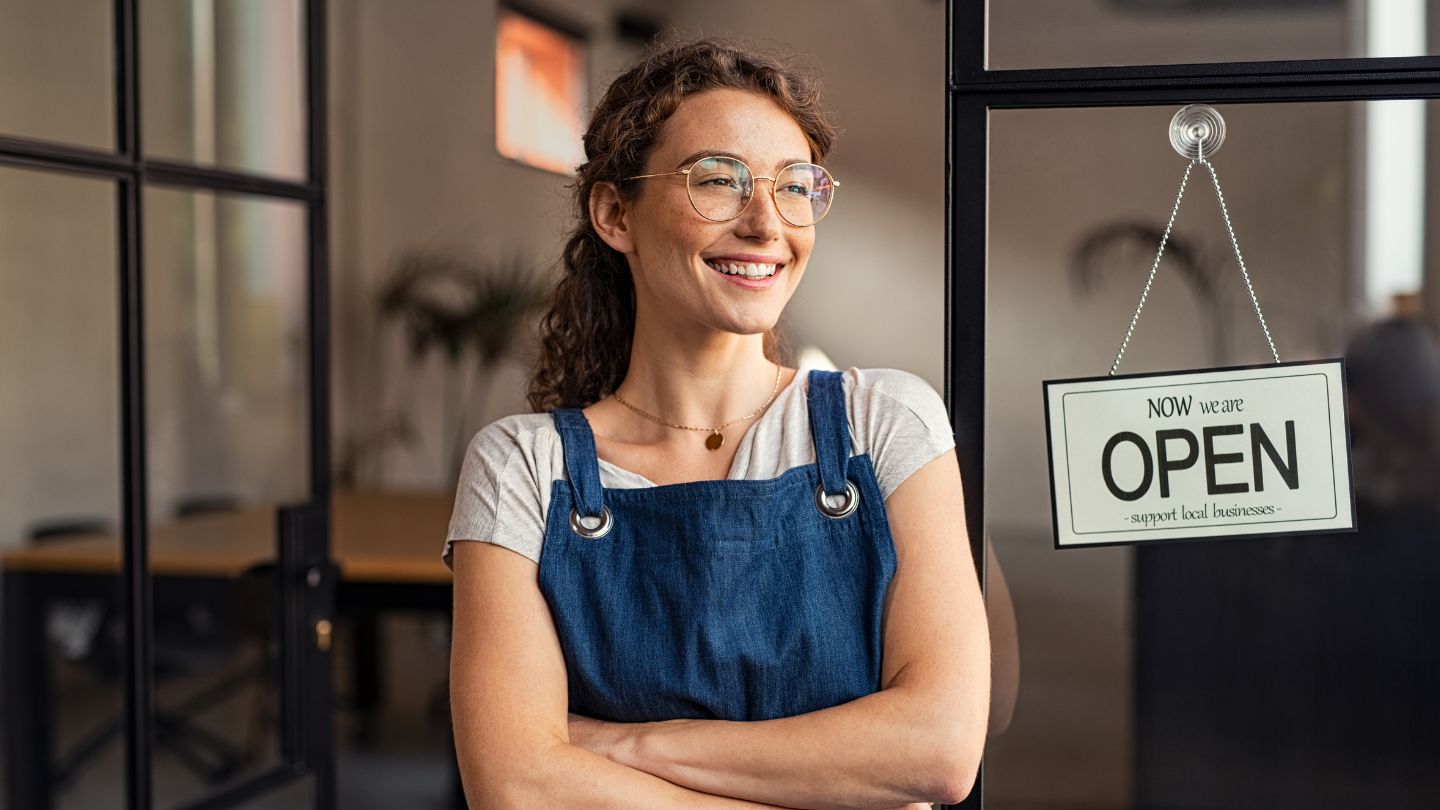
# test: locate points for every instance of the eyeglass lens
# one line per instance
(721, 187)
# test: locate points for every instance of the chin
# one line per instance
(752, 326)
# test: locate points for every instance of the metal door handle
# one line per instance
(323, 630)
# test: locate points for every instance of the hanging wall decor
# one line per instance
(1205, 453)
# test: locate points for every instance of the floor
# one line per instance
(402, 763)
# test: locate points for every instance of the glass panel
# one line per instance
(56, 71)
(1277, 672)
(59, 484)
(224, 84)
(1065, 33)
(228, 441)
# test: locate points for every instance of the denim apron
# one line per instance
(728, 600)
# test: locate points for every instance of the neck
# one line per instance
(703, 381)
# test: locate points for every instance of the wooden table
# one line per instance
(377, 536)
(386, 545)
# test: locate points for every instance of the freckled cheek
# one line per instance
(802, 252)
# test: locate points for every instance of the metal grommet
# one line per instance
(852, 500)
(588, 533)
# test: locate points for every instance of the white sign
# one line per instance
(1200, 454)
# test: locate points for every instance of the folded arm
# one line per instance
(508, 694)
(918, 739)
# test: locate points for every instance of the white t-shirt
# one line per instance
(511, 463)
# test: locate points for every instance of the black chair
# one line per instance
(205, 505)
(67, 527)
(196, 630)
(71, 624)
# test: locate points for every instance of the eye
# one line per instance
(798, 189)
(719, 181)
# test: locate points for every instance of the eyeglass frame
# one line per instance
(753, 177)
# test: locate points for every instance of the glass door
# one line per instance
(1271, 672)
(169, 592)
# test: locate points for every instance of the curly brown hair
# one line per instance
(585, 336)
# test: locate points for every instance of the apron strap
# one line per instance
(582, 466)
(830, 428)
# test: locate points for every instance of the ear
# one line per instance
(611, 217)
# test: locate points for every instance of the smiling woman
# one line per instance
(783, 615)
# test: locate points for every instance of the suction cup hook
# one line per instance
(1197, 131)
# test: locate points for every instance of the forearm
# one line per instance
(564, 775)
(877, 751)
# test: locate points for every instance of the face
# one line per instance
(678, 258)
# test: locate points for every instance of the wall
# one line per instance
(224, 342)
(874, 291)
(59, 422)
(414, 165)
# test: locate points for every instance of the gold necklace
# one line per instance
(716, 439)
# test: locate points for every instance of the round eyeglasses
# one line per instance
(720, 189)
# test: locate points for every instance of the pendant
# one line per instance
(714, 441)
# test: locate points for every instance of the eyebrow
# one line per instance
(721, 153)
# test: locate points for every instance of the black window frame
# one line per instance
(972, 91)
(306, 744)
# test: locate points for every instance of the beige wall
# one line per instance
(225, 323)
(1087, 33)
(414, 165)
(874, 290)
(59, 371)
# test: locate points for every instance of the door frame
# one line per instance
(305, 574)
(972, 91)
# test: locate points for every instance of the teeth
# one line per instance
(749, 270)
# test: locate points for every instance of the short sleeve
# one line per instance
(904, 423)
(497, 499)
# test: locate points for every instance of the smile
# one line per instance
(745, 269)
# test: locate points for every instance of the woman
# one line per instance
(755, 588)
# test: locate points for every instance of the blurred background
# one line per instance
(1258, 673)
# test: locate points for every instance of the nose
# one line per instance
(761, 219)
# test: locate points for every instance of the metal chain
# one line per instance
(1145, 293)
(1254, 300)
(1164, 240)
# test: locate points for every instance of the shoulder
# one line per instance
(898, 418)
(514, 429)
(504, 483)
(518, 437)
(891, 395)
(512, 457)
(889, 384)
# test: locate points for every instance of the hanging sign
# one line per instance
(1198, 454)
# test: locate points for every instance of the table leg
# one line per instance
(28, 747)
(367, 659)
